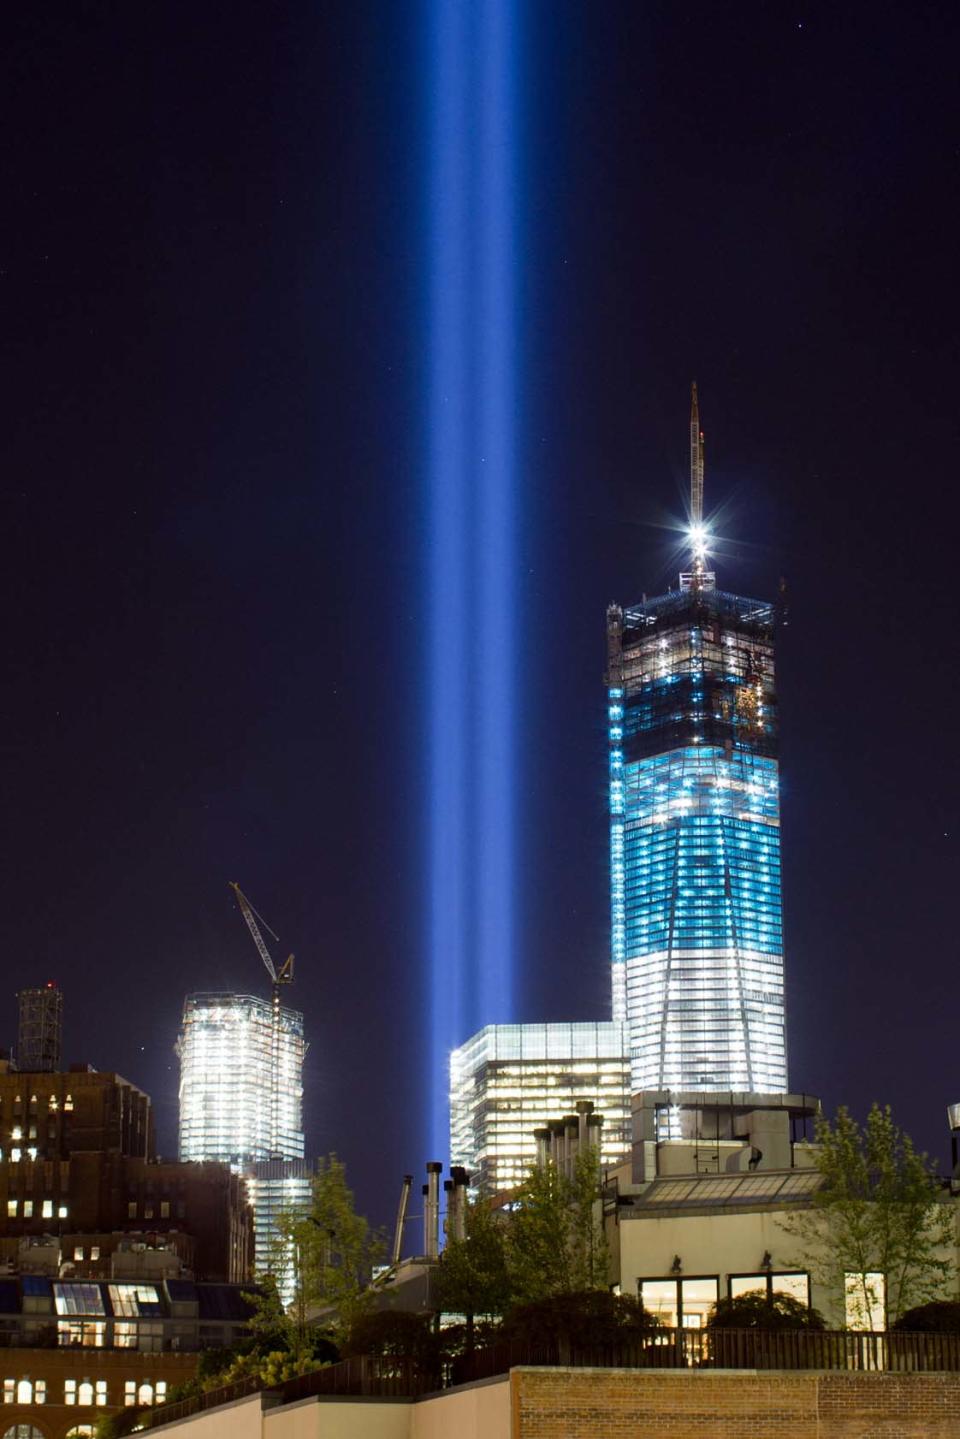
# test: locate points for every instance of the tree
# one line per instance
(473, 1276)
(762, 1311)
(556, 1243)
(878, 1211)
(330, 1251)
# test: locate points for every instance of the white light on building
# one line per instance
(241, 1101)
(510, 1079)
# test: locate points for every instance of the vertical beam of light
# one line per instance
(471, 482)
(495, 670)
(447, 728)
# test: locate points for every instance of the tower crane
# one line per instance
(279, 977)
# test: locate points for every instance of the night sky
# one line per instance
(213, 280)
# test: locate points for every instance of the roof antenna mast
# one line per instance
(698, 577)
(696, 461)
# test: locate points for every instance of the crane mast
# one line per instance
(278, 977)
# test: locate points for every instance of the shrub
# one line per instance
(757, 1311)
(942, 1316)
(587, 1317)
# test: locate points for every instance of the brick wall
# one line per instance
(631, 1404)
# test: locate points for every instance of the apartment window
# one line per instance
(78, 1298)
(132, 1209)
(866, 1301)
(81, 1333)
(94, 1251)
(164, 1209)
(28, 1209)
(794, 1283)
(23, 1431)
(80, 1431)
(32, 1132)
(24, 1391)
(148, 1211)
(47, 1210)
(11, 1209)
(16, 1132)
(62, 1211)
(69, 1391)
(15, 1155)
(680, 1303)
(68, 1101)
(78, 1251)
(130, 1393)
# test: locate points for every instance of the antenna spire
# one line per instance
(698, 577)
(696, 459)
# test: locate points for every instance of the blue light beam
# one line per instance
(471, 529)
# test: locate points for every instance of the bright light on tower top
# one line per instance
(699, 537)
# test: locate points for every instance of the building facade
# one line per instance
(697, 944)
(241, 1079)
(241, 1102)
(511, 1079)
(79, 1178)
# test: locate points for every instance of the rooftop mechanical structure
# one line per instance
(696, 925)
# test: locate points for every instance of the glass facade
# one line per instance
(697, 945)
(241, 1101)
(510, 1079)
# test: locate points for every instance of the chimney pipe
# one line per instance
(558, 1149)
(570, 1128)
(458, 1224)
(584, 1108)
(401, 1217)
(431, 1211)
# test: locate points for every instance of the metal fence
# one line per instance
(406, 1378)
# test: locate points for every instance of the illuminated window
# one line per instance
(78, 1251)
(23, 1431)
(132, 1209)
(47, 1210)
(866, 1301)
(95, 1251)
(28, 1209)
(11, 1209)
(61, 1211)
(164, 1209)
(680, 1303)
(790, 1282)
(132, 1300)
(69, 1391)
(78, 1299)
(81, 1431)
(68, 1101)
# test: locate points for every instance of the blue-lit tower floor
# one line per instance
(697, 944)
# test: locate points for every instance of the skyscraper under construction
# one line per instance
(697, 948)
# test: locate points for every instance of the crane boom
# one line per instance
(247, 911)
